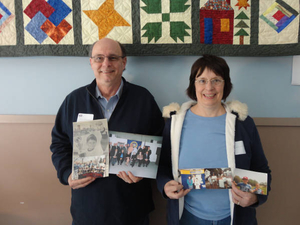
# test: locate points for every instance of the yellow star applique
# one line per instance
(106, 18)
(242, 3)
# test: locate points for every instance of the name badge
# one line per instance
(239, 148)
(84, 117)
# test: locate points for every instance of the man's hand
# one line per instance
(75, 184)
(242, 198)
(174, 190)
(130, 178)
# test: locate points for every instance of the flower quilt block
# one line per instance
(165, 21)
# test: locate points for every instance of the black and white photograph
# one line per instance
(90, 149)
(136, 153)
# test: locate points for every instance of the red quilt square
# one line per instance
(39, 5)
(0, 16)
(278, 15)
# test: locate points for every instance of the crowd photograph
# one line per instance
(93, 166)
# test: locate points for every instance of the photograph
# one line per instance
(136, 153)
(90, 149)
(207, 178)
(193, 178)
(249, 181)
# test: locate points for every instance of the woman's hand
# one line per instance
(174, 190)
(242, 198)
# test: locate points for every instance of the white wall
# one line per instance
(38, 85)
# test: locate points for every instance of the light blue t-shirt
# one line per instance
(203, 145)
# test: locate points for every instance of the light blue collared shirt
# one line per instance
(109, 106)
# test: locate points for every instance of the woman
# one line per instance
(140, 159)
(190, 182)
(208, 133)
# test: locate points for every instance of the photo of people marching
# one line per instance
(94, 166)
(136, 153)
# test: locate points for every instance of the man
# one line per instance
(244, 186)
(133, 155)
(120, 156)
(147, 154)
(91, 142)
(114, 154)
(105, 138)
(123, 148)
(140, 149)
(118, 199)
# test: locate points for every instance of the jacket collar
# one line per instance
(236, 107)
(92, 87)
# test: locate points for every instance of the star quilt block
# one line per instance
(151, 27)
(106, 18)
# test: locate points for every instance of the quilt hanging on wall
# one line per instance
(150, 27)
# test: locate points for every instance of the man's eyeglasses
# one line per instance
(214, 82)
(111, 58)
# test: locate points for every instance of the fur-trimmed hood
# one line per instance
(241, 109)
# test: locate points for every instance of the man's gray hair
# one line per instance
(121, 46)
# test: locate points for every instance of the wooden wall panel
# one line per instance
(30, 193)
(282, 148)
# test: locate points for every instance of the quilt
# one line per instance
(150, 27)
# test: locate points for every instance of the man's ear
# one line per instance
(124, 61)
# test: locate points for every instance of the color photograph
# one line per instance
(136, 153)
(249, 181)
(208, 178)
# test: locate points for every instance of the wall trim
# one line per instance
(259, 121)
(276, 122)
(27, 119)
